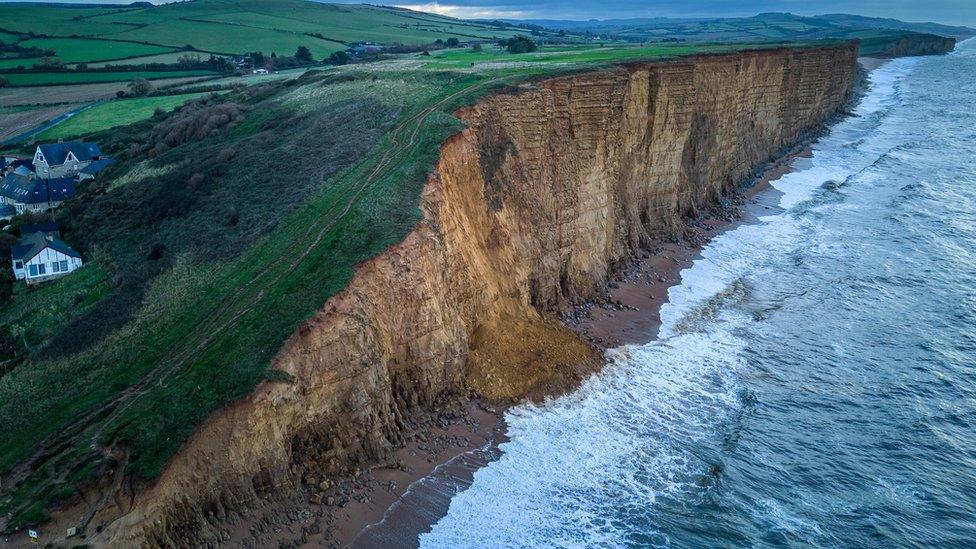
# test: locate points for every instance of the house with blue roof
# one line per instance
(25, 192)
(64, 159)
(41, 255)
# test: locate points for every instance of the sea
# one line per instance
(813, 383)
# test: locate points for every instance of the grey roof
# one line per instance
(98, 165)
(34, 243)
(56, 153)
(36, 190)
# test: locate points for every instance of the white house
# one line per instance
(64, 159)
(41, 255)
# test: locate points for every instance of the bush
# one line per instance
(4, 82)
(195, 181)
(453, 42)
(140, 87)
(519, 44)
(303, 55)
(476, 47)
(339, 58)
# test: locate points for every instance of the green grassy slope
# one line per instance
(209, 275)
(112, 114)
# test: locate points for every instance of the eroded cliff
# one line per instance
(531, 208)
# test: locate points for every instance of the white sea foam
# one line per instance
(632, 435)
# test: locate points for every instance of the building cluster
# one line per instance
(39, 184)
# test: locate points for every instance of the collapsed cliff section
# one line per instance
(531, 208)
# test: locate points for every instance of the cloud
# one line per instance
(467, 12)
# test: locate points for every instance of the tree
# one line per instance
(476, 47)
(339, 58)
(519, 44)
(453, 42)
(139, 87)
(257, 59)
(303, 55)
(4, 82)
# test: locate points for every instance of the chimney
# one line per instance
(60, 140)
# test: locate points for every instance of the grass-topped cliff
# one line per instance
(225, 225)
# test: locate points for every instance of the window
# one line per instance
(64, 265)
(41, 268)
(55, 267)
(18, 264)
(32, 269)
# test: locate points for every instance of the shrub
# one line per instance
(519, 44)
(339, 58)
(195, 181)
(303, 55)
(476, 47)
(139, 87)
(453, 42)
(4, 82)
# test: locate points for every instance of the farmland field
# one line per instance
(166, 58)
(227, 27)
(71, 77)
(81, 93)
(19, 119)
(111, 114)
(76, 50)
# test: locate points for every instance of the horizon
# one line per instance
(946, 12)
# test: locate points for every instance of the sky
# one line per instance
(956, 12)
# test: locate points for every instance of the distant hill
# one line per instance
(765, 26)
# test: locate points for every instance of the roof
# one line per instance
(28, 190)
(22, 165)
(98, 165)
(6, 210)
(46, 227)
(56, 153)
(35, 243)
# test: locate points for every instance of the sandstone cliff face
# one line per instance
(529, 209)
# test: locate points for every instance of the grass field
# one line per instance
(70, 77)
(76, 50)
(166, 58)
(227, 27)
(196, 329)
(112, 114)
